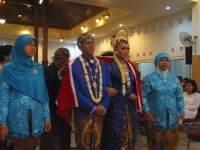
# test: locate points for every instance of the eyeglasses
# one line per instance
(32, 45)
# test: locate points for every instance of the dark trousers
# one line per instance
(59, 138)
(6, 145)
(29, 143)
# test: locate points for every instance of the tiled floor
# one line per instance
(142, 145)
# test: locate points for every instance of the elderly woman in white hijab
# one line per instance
(163, 105)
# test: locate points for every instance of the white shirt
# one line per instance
(192, 103)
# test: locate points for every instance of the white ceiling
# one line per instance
(142, 11)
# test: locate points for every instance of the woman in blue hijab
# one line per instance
(24, 109)
(163, 105)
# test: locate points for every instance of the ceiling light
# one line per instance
(61, 37)
(83, 27)
(28, 6)
(107, 15)
(40, 2)
(98, 20)
(3, 2)
(2, 21)
(120, 25)
(194, 0)
(93, 35)
(167, 7)
(25, 31)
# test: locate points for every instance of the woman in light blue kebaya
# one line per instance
(163, 105)
(24, 109)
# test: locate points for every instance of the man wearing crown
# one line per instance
(89, 78)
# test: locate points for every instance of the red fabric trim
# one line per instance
(138, 86)
(66, 98)
(195, 134)
(109, 59)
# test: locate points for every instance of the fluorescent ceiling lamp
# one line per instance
(195, 0)
(40, 2)
(2, 21)
(167, 7)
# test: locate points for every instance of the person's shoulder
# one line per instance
(103, 63)
(75, 64)
(50, 68)
(198, 94)
(8, 65)
(173, 75)
(75, 61)
(150, 77)
(152, 74)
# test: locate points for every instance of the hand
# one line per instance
(99, 111)
(132, 96)
(182, 117)
(149, 117)
(111, 91)
(62, 71)
(47, 125)
(3, 132)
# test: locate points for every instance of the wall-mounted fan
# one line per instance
(187, 41)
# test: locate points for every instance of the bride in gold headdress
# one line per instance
(120, 122)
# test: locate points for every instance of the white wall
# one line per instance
(157, 36)
(52, 46)
(178, 67)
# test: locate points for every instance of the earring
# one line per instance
(115, 52)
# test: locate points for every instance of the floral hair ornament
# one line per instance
(121, 36)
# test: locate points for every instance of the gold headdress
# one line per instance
(121, 35)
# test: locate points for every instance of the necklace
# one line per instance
(128, 79)
(95, 98)
(123, 77)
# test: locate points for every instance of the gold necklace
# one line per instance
(98, 98)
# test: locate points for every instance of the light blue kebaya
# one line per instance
(23, 95)
(163, 97)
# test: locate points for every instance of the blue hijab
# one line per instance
(159, 56)
(162, 73)
(23, 74)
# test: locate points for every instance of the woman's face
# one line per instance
(30, 48)
(123, 50)
(188, 88)
(163, 64)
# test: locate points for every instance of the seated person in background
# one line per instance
(183, 83)
(192, 99)
(180, 80)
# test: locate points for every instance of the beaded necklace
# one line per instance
(125, 77)
(95, 98)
